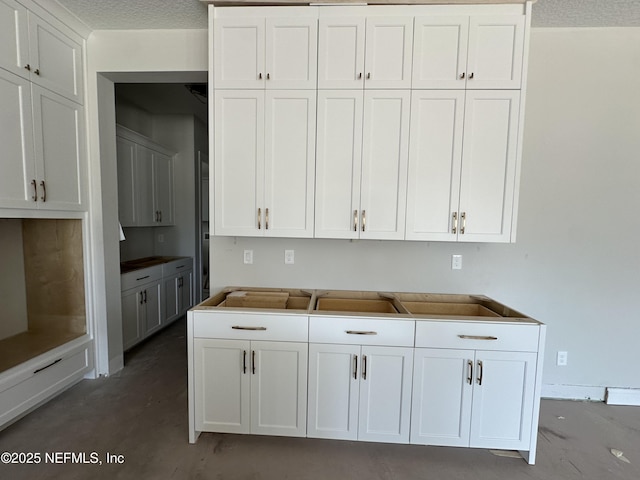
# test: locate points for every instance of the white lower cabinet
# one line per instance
(244, 386)
(360, 392)
(142, 312)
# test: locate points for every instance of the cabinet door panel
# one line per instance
(57, 58)
(388, 52)
(339, 163)
(239, 162)
(221, 385)
(238, 53)
(384, 164)
(186, 292)
(144, 187)
(154, 309)
(17, 168)
(127, 202)
(171, 298)
(435, 156)
(279, 388)
(163, 187)
(385, 394)
(291, 53)
(440, 52)
(503, 401)
(489, 165)
(333, 391)
(495, 51)
(290, 128)
(14, 38)
(131, 318)
(341, 52)
(59, 150)
(442, 394)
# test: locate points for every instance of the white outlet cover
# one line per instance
(456, 262)
(289, 257)
(248, 257)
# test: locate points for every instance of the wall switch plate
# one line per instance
(561, 359)
(248, 257)
(161, 238)
(456, 262)
(289, 257)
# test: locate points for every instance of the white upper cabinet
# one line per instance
(371, 52)
(361, 191)
(477, 52)
(14, 38)
(456, 193)
(265, 52)
(265, 162)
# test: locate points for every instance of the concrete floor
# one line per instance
(141, 414)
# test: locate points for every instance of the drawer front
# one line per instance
(361, 331)
(140, 277)
(477, 336)
(176, 266)
(249, 326)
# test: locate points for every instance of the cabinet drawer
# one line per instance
(477, 336)
(361, 331)
(248, 326)
(176, 266)
(140, 277)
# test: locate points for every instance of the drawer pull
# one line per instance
(239, 327)
(142, 278)
(47, 366)
(180, 266)
(477, 337)
(360, 332)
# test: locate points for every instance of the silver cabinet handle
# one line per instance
(463, 216)
(480, 372)
(34, 184)
(239, 327)
(355, 367)
(470, 372)
(462, 75)
(454, 230)
(266, 219)
(364, 219)
(355, 220)
(44, 190)
(360, 332)
(477, 337)
(364, 367)
(259, 218)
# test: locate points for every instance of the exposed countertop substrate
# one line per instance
(145, 262)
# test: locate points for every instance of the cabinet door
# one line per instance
(132, 310)
(185, 292)
(289, 171)
(488, 165)
(384, 164)
(435, 156)
(59, 150)
(385, 394)
(333, 391)
(172, 297)
(238, 52)
(56, 60)
(338, 163)
(503, 400)
(163, 188)
(440, 52)
(154, 310)
(14, 38)
(496, 48)
(127, 202)
(341, 52)
(291, 53)
(388, 52)
(17, 168)
(239, 162)
(146, 211)
(279, 388)
(442, 394)
(221, 373)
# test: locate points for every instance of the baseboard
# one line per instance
(573, 392)
(623, 396)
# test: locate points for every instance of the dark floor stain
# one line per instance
(548, 430)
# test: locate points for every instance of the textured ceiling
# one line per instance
(161, 14)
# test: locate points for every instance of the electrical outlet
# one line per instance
(289, 257)
(561, 359)
(456, 262)
(248, 257)
(161, 238)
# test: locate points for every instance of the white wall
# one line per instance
(575, 265)
(13, 291)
